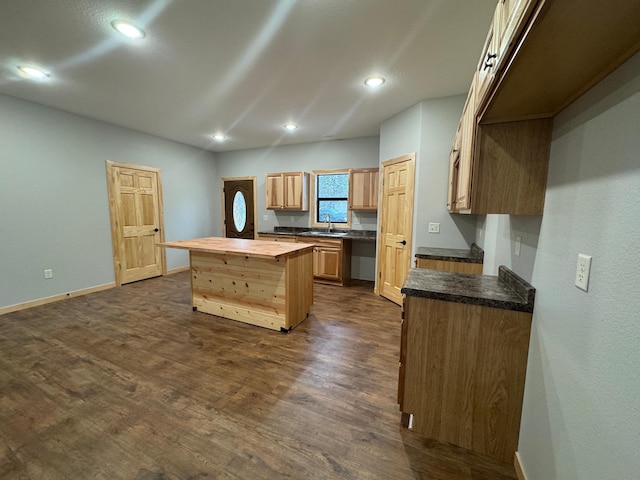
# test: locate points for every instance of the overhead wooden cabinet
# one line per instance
(540, 55)
(363, 189)
(287, 191)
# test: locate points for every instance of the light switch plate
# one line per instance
(265, 218)
(582, 271)
(434, 228)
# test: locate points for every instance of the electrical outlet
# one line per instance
(582, 272)
(265, 218)
(434, 228)
(48, 273)
(518, 245)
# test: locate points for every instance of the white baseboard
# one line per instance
(55, 298)
(178, 270)
(519, 468)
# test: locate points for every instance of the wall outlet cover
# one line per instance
(434, 228)
(582, 271)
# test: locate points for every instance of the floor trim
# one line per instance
(518, 466)
(76, 293)
(178, 270)
(55, 298)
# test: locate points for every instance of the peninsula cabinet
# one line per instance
(463, 359)
(287, 191)
(363, 189)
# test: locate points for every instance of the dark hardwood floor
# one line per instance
(130, 383)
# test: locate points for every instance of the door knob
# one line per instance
(156, 229)
(403, 242)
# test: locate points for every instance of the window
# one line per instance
(331, 197)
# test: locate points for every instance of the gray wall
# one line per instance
(581, 417)
(54, 209)
(428, 129)
(352, 153)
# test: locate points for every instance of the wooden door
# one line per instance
(274, 190)
(239, 212)
(396, 226)
(135, 205)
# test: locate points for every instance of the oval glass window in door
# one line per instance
(239, 211)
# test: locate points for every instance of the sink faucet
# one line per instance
(327, 218)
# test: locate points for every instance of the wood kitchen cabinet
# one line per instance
(331, 259)
(540, 56)
(463, 365)
(287, 191)
(277, 238)
(363, 189)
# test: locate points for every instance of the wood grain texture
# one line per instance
(363, 189)
(274, 293)
(130, 383)
(464, 373)
(510, 167)
(449, 266)
(238, 246)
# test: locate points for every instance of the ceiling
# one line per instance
(243, 68)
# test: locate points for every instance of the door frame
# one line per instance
(410, 157)
(255, 202)
(113, 216)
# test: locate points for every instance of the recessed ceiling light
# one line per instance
(218, 137)
(374, 81)
(290, 126)
(33, 72)
(128, 29)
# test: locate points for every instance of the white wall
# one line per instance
(352, 153)
(581, 417)
(54, 209)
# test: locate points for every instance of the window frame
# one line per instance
(314, 203)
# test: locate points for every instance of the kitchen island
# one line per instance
(262, 283)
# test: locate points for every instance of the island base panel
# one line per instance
(269, 293)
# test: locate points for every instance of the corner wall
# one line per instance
(54, 210)
(581, 418)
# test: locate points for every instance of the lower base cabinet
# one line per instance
(449, 266)
(331, 259)
(331, 256)
(462, 373)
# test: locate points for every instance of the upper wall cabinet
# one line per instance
(363, 189)
(555, 51)
(287, 191)
(540, 55)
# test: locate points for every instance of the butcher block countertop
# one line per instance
(238, 246)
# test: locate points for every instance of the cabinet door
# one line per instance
(486, 67)
(454, 168)
(363, 189)
(292, 190)
(275, 191)
(329, 263)
(463, 189)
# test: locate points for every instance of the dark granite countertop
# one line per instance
(506, 291)
(368, 235)
(474, 255)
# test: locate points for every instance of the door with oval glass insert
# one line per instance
(239, 207)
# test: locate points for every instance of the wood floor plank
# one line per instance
(131, 383)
